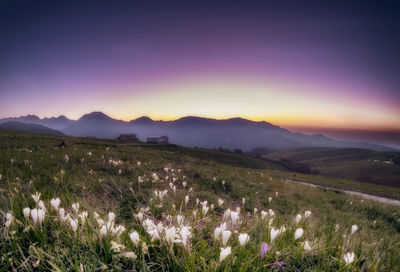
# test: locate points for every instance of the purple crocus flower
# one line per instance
(264, 248)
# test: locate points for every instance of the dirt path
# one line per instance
(366, 196)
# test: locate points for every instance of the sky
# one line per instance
(297, 64)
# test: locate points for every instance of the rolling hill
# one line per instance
(352, 163)
(31, 128)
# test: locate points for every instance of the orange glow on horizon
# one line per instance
(282, 104)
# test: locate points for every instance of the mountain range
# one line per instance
(191, 131)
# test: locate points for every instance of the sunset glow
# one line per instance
(168, 62)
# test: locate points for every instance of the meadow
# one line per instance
(367, 166)
(103, 205)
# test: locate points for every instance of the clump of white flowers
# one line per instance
(175, 227)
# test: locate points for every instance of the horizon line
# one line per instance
(292, 126)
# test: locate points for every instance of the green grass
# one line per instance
(30, 163)
(350, 163)
(343, 184)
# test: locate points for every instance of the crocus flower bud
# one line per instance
(263, 250)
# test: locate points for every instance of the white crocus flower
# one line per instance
(75, 206)
(170, 235)
(225, 236)
(128, 255)
(234, 218)
(298, 233)
(103, 230)
(220, 202)
(185, 234)
(83, 216)
(217, 232)
(116, 247)
(134, 236)
(180, 219)
(349, 257)
(204, 210)
(307, 214)
(61, 213)
(255, 210)
(263, 214)
(118, 230)
(74, 224)
(274, 232)
(306, 246)
(34, 215)
(55, 203)
(224, 253)
(186, 199)
(111, 217)
(269, 199)
(41, 215)
(9, 219)
(36, 197)
(222, 227)
(298, 218)
(140, 216)
(243, 200)
(353, 229)
(271, 213)
(243, 238)
(41, 205)
(26, 212)
(194, 214)
(227, 214)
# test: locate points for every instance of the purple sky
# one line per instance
(294, 64)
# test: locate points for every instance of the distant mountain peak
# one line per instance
(142, 120)
(62, 117)
(30, 117)
(97, 115)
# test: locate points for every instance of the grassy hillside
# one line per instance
(149, 188)
(351, 163)
(30, 128)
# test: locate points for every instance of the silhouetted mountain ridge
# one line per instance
(55, 123)
(232, 133)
